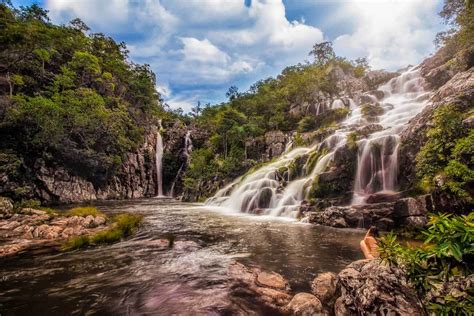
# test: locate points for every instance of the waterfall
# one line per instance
(275, 190)
(159, 160)
(187, 149)
(377, 163)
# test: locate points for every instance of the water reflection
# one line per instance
(143, 276)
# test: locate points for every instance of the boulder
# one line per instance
(266, 292)
(412, 207)
(324, 287)
(88, 222)
(99, 220)
(371, 287)
(272, 280)
(304, 304)
(384, 196)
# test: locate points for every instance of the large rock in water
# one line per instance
(368, 287)
(304, 304)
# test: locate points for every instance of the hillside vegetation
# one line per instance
(67, 99)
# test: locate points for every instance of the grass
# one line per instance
(84, 211)
(123, 225)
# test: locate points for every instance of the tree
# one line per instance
(322, 53)
(232, 93)
(79, 25)
(195, 111)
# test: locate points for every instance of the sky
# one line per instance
(199, 48)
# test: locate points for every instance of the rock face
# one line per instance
(135, 179)
(275, 142)
(369, 287)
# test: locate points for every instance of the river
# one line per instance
(137, 276)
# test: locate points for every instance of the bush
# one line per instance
(84, 211)
(123, 225)
(439, 267)
(445, 162)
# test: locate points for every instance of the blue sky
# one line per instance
(199, 48)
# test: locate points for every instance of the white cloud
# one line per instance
(391, 34)
(198, 48)
(203, 51)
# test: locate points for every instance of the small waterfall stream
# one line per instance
(266, 191)
(187, 150)
(159, 161)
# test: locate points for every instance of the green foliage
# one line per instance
(76, 100)
(84, 211)
(123, 225)
(29, 203)
(445, 162)
(459, 39)
(435, 268)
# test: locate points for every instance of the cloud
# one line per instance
(198, 48)
(202, 51)
(391, 34)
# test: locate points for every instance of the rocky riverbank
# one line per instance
(28, 227)
(364, 286)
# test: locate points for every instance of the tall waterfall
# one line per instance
(187, 150)
(159, 161)
(276, 190)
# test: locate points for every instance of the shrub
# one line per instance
(447, 155)
(84, 211)
(123, 225)
(437, 268)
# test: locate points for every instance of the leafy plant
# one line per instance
(438, 267)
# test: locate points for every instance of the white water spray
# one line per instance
(187, 150)
(159, 161)
(266, 191)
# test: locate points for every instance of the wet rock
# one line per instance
(412, 206)
(186, 245)
(324, 287)
(272, 280)
(377, 93)
(270, 295)
(369, 287)
(304, 304)
(381, 197)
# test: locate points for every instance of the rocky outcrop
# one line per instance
(370, 287)
(405, 212)
(459, 91)
(31, 227)
(363, 287)
(275, 142)
(53, 183)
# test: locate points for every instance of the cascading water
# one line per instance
(159, 161)
(187, 149)
(377, 165)
(274, 190)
